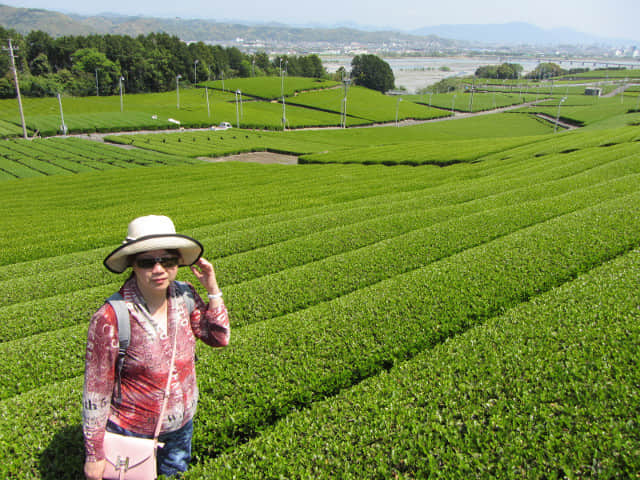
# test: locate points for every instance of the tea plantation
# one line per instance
(465, 305)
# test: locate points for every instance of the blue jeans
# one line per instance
(175, 456)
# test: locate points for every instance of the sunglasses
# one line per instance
(150, 262)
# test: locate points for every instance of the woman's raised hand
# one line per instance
(206, 275)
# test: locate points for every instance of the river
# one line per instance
(414, 73)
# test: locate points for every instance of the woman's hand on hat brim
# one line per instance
(206, 275)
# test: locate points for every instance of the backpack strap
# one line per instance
(185, 292)
(124, 325)
(124, 334)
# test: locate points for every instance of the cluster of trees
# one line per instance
(550, 70)
(95, 64)
(446, 85)
(514, 71)
(372, 72)
(504, 71)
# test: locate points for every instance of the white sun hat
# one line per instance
(153, 232)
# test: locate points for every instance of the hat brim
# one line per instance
(190, 250)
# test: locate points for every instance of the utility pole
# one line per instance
(15, 77)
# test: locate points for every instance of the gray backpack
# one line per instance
(124, 324)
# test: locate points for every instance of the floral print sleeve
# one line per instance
(100, 359)
(210, 325)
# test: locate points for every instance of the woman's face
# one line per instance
(152, 276)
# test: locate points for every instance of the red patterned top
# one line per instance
(146, 366)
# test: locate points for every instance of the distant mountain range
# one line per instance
(518, 33)
(24, 20)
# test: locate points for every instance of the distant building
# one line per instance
(593, 91)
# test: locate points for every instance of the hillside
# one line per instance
(517, 33)
(24, 20)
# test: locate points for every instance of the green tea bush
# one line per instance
(373, 332)
(515, 397)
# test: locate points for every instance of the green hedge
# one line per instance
(544, 391)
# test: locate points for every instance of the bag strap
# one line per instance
(187, 294)
(167, 389)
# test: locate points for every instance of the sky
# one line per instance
(608, 18)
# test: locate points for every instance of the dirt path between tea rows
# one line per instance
(256, 157)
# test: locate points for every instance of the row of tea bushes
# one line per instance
(544, 391)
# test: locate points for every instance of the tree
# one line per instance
(372, 72)
(340, 74)
(38, 43)
(509, 70)
(87, 63)
(504, 71)
(63, 47)
(236, 57)
(311, 66)
(487, 71)
(78, 65)
(446, 85)
(546, 70)
(40, 65)
(263, 63)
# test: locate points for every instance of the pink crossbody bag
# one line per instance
(134, 458)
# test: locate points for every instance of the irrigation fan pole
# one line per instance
(15, 78)
(63, 126)
(178, 77)
(397, 109)
(282, 74)
(343, 111)
(237, 110)
(121, 100)
(555, 129)
(206, 92)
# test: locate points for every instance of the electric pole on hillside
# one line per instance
(15, 78)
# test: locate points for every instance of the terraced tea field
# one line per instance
(474, 320)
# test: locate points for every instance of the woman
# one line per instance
(157, 311)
